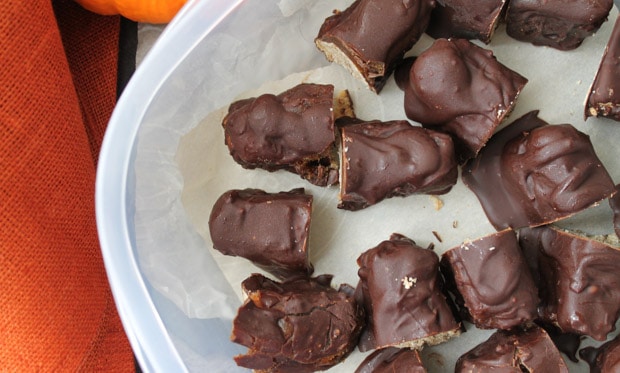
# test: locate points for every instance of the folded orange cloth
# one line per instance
(56, 309)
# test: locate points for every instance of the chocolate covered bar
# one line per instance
(401, 290)
(387, 159)
(300, 325)
(515, 351)
(461, 89)
(558, 24)
(371, 36)
(293, 131)
(579, 279)
(392, 360)
(532, 173)
(491, 281)
(604, 95)
(465, 19)
(269, 229)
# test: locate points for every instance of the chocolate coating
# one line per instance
(374, 35)
(515, 351)
(279, 244)
(604, 96)
(300, 325)
(387, 159)
(461, 89)
(567, 343)
(604, 359)
(392, 360)
(614, 203)
(560, 24)
(532, 173)
(492, 280)
(579, 280)
(293, 131)
(465, 19)
(401, 290)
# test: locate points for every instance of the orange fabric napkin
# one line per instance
(56, 309)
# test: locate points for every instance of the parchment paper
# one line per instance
(558, 84)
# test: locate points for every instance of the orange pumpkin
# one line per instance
(149, 11)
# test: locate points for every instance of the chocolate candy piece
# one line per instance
(604, 359)
(391, 360)
(293, 131)
(558, 24)
(465, 19)
(269, 229)
(604, 95)
(401, 290)
(300, 325)
(371, 36)
(515, 351)
(461, 89)
(532, 173)
(579, 280)
(387, 159)
(492, 281)
(614, 202)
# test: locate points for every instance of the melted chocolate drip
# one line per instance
(567, 343)
(532, 173)
(603, 359)
(614, 203)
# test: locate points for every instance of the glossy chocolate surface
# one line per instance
(515, 351)
(492, 280)
(604, 96)
(532, 173)
(293, 130)
(300, 325)
(579, 280)
(604, 359)
(614, 203)
(400, 288)
(361, 32)
(461, 89)
(465, 19)
(559, 24)
(269, 229)
(567, 343)
(387, 159)
(392, 360)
